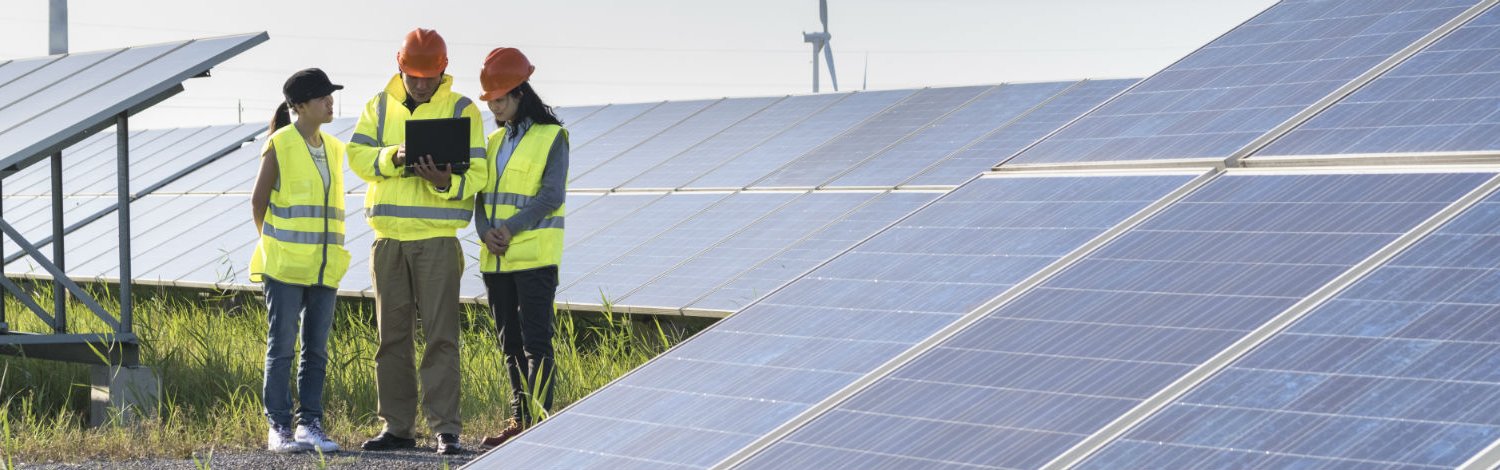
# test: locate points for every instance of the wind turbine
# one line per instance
(820, 44)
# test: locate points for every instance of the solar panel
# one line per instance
(1006, 141)
(642, 263)
(159, 160)
(995, 108)
(1395, 372)
(569, 115)
(871, 137)
(35, 180)
(804, 254)
(50, 118)
(754, 370)
(638, 227)
(1218, 99)
(781, 230)
(586, 157)
(154, 244)
(603, 120)
(1034, 377)
(732, 142)
(806, 135)
(39, 226)
(1441, 100)
(18, 68)
(668, 143)
(237, 170)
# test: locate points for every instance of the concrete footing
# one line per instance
(122, 394)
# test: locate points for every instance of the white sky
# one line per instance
(595, 52)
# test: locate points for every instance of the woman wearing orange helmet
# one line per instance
(519, 217)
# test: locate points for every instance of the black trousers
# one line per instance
(522, 303)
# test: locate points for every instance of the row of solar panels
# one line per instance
(1018, 316)
(1306, 317)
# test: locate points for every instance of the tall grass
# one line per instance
(208, 353)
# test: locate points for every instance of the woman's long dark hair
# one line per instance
(532, 107)
(281, 118)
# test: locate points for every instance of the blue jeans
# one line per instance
(286, 304)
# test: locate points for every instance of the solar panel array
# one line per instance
(629, 226)
(1129, 316)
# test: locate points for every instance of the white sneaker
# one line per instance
(279, 439)
(312, 436)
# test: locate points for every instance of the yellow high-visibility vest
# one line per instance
(518, 182)
(407, 207)
(302, 237)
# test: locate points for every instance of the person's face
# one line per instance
(421, 89)
(505, 106)
(318, 110)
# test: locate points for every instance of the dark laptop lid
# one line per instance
(446, 139)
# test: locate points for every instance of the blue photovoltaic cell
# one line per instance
(604, 120)
(737, 139)
(990, 111)
(1445, 98)
(638, 266)
(1398, 371)
(822, 127)
(585, 157)
(778, 232)
(871, 137)
(38, 226)
(588, 254)
(755, 370)
(1217, 100)
(802, 256)
(601, 215)
(668, 144)
(994, 148)
(1031, 379)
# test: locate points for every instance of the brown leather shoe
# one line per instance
(512, 428)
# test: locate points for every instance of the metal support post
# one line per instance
(122, 163)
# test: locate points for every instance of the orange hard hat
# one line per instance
(423, 54)
(504, 69)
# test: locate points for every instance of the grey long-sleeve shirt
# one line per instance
(553, 191)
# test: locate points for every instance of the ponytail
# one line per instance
(282, 118)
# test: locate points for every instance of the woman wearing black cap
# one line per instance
(298, 205)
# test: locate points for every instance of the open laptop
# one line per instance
(446, 139)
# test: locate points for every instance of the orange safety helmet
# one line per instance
(504, 70)
(424, 54)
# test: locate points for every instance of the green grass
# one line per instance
(208, 353)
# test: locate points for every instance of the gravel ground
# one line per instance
(420, 457)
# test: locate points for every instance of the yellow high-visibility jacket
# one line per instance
(517, 183)
(302, 236)
(407, 207)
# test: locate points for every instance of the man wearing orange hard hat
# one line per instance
(416, 208)
(519, 217)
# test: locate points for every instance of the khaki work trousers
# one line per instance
(417, 280)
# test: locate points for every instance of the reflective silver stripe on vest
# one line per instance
(310, 238)
(549, 222)
(306, 211)
(476, 152)
(379, 130)
(458, 108)
(364, 140)
(503, 199)
(415, 212)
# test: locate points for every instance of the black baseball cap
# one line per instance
(308, 84)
